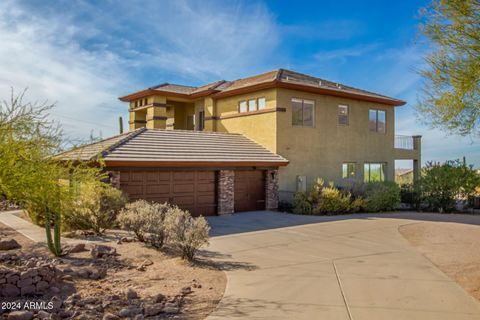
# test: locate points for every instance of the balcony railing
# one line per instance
(404, 142)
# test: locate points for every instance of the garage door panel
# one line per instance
(164, 176)
(184, 176)
(158, 189)
(124, 176)
(205, 199)
(188, 201)
(137, 176)
(152, 176)
(206, 187)
(184, 188)
(133, 191)
(206, 175)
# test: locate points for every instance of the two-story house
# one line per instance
(241, 145)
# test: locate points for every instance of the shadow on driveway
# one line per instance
(266, 220)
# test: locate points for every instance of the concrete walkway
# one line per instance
(29, 230)
(358, 267)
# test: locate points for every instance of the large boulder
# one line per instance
(20, 315)
(9, 244)
(74, 248)
(102, 251)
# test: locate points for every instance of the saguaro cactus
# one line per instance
(54, 244)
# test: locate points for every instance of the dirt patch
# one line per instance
(163, 273)
(453, 247)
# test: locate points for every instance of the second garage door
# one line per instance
(190, 190)
(249, 190)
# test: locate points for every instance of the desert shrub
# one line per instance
(321, 199)
(95, 207)
(131, 217)
(146, 220)
(186, 233)
(442, 184)
(332, 201)
(381, 196)
(411, 195)
(301, 203)
(357, 205)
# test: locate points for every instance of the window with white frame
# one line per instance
(252, 105)
(242, 106)
(261, 103)
(303, 112)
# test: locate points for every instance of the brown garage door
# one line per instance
(190, 190)
(249, 190)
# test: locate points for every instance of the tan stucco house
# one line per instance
(241, 145)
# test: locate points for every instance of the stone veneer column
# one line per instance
(226, 192)
(114, 178)
(271, 192)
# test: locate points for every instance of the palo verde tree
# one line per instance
(451, 92)
(30, 175)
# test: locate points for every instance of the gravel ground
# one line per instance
(165, 274)
(453, 247)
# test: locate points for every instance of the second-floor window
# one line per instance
(242, 106)
(252, 105)
(303, 112)
(261, 103)
(377, 120)
(343, 114)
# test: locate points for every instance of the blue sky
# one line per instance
(84, 54)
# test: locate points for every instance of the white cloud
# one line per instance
(43, 55)
(208, 39)
(341, 55)
(83, 57)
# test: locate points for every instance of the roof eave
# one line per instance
(306, 88)
(149, 92)
(194, 164)
(340, 93)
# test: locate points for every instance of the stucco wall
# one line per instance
(321, 150)
(258, 127)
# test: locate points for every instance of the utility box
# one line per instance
(301, 183)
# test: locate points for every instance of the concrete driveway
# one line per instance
(347, 267)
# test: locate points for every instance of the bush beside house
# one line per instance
(330, 200)
(442, 187)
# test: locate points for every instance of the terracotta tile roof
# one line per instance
(250, 81)
(176, 88)
(279, 76)
(288, 76)
(210, 86)
(156, 145)
(93, 150)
